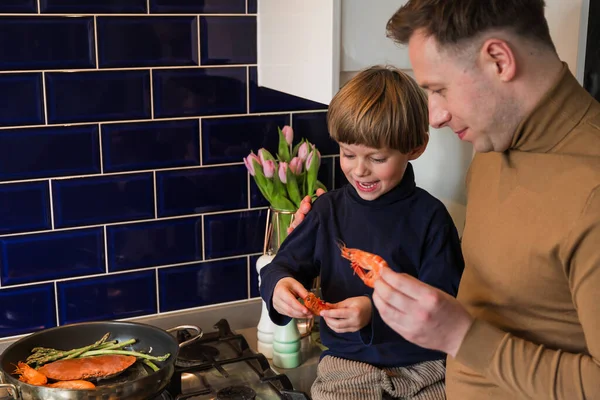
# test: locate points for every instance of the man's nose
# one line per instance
(438, 115)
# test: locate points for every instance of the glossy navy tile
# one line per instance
(97, 96)
(263, 99)
(254, 288)
(326, 172)
(226, 140)
(102, 199)
(234, 233)
(46, 43)
(238, 46)
(340, 178)
(203, 284)
(93, 6)
(43, 152)
(147, 145)
(147, 41)
(27, 309)
(198, 6)
(55, 255)
(199, 91)
(154, 243)
(18, 6)
(21, 99)
(256, 197)
(252, 7)
(24, 207)
(107, 297)
(193, 191)
(313, 127)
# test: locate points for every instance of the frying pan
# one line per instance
(138, 382)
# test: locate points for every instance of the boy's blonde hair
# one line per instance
(380, 107)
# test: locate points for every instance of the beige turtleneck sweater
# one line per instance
(532, 253)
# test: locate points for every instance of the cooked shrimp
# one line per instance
(30, 375)
(315, 304)
(76, 384)
(361, 260)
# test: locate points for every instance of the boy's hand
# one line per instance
(305, 207)
(349, 315)
(285, 297)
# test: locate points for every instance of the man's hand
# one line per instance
(285, 298)
(420, 313)
(349, 315)
(305, 207)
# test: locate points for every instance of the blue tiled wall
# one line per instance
(123, 124)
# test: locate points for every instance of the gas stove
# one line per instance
(222, 366)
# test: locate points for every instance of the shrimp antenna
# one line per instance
(340, 244)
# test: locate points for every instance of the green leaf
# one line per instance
(284, 149)
(283, 203)
(292, 188)
(311, 174)
(264, 184)
(279, 187)
(266, 154)
(320, 185)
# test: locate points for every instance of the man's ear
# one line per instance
(416, 153)
(498, 57)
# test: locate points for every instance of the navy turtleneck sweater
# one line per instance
(407, 226)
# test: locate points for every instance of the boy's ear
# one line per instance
(416, 153)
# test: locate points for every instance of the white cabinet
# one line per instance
(308, 47)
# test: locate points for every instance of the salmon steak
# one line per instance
(87, 367)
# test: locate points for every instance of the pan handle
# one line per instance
(11, 389)
(197, 336)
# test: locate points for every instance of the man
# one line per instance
(526, 324)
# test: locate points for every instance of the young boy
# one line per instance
(379, 118)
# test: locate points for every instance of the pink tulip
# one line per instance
(303, 151)
(311, 156)
(269, 168)
(261, 155)
(288, 132)
(296, 165)
(283, 166)
(249, 164)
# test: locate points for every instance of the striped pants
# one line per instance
(340, 379)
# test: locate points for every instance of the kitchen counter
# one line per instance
(304, 375)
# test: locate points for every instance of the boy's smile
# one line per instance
(372, 172)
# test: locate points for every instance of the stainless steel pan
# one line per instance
(137, 383)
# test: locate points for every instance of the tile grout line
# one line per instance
(249, 191)
(130, 222)
(148, 120)
(39, 7)
(248, 277)
(131, 271)
(116, 69)
(155, 198)
(247, 90)
(137, 14)
(51, 203)
(157, 291)
(199, 42)
(200, 141)
(44, 99)
(247, 6)
(151, 94)
(105, 249)
(132, 172)
(203, 241)
(100, 148)
(56, 307)
(147, 6)
(96, 41)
